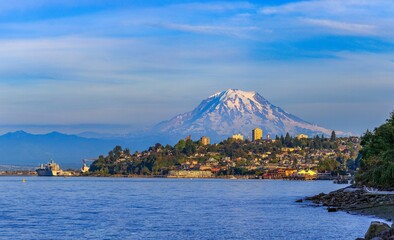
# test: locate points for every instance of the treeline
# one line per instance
(159, 159)
(152, 161)
(317, 142)
(377, 164)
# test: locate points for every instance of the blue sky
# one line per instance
(114, 66)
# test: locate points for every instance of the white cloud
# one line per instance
(328, 6)
(353, 17)
(128, 66)
(211, 29)
(343, 26)
(216, 6)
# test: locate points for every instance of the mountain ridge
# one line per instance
(235, 111)
(25, 149)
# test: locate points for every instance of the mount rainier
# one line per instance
(235, 111)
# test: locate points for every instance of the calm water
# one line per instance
(113, 208)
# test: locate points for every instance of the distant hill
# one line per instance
(24, 149)
(234, 111)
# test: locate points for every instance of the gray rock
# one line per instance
(375, 229)
(332, 209)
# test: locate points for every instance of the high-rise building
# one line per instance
(257, 134)
(238, 137)
(205, 140)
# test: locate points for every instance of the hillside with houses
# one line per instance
(281, 157)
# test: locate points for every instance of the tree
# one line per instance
(287, 139)
(180, 145)
(328, 165)
(190, 147)
(377, 163)
(333, 136)
(127, 152)
(117, 151)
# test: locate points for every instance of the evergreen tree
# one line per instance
(333, 136)
(288, 140)
(377, 163)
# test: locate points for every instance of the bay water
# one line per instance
(161, 208)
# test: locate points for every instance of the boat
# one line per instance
(49, 169)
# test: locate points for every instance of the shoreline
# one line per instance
(358, 201)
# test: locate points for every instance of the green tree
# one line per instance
(333, 136)
(377, 163)
(288, 140)
(180, 145)
(328, 165)
(190, 147)
(117, 151)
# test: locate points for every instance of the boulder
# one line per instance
(375, 229)
(332, 209)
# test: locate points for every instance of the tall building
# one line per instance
(205, 140)
(257, 134)
(238, 137)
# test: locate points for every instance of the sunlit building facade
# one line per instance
(257, 134)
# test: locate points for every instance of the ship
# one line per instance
(49, 169)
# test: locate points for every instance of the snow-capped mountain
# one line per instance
(235, 111)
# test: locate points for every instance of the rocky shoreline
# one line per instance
(358, 201)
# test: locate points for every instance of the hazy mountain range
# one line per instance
(219, 116)
(25, 149)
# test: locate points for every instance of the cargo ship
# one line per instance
(49, 169)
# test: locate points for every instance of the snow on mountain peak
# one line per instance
(237, 100)
(232, 93)
(234, 110)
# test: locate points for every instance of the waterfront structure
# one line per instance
(308, 174)
(85, 168)
(257, 134)
(205, 140)
(290, 171)
(190, 174)
(238, 137)
(49, 169)
(302, 136)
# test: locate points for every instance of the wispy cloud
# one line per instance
(216, 6)
(94, 60)
(352, 16)
(328, 6)
(344, 26)
(211, 29)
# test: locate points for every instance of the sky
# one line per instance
(118, 66)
